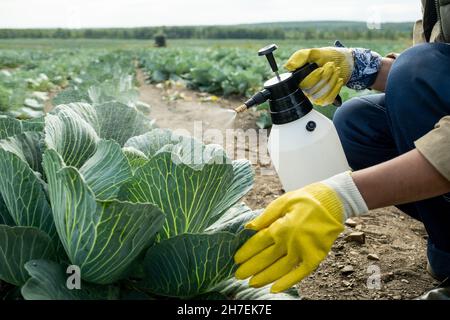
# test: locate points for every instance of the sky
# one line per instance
(132, 13)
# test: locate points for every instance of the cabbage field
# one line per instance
(88, 179)
(31, 77)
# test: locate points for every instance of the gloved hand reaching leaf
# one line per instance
(357, 68)
(296, 232)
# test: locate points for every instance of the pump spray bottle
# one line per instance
(303, 144)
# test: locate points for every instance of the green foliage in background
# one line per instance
(27, 77)
(304, 30)
(222, 71)
(34, 71)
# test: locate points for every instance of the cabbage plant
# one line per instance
(136, 212)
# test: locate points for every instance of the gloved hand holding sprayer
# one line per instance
(296, 231)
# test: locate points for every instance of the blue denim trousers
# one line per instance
(377, 128)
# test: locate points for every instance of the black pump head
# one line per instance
(287, 102)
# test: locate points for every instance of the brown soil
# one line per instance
(48, 103)
(397, 240)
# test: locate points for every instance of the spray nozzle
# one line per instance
(259, 98)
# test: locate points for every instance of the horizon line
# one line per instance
(206, 25)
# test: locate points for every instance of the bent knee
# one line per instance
(417, 68)
(355, 112)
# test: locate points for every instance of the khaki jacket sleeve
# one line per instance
(435, 146)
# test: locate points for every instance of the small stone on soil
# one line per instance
(364, 251)
(373, 256)
(346, 283)
(386, 277)
(359, 237)
(347, 270)
(351, 223)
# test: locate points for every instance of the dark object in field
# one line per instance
(160, 40)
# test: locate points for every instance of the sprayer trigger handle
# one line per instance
(338, 101)
(301, 73)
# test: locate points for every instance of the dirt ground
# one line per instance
(389, 265)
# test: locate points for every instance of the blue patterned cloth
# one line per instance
(367, 65)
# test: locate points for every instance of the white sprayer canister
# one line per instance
(306, 150)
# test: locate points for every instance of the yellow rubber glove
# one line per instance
(335, 69)
(296, 232)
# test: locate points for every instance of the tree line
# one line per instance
(214, 32)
